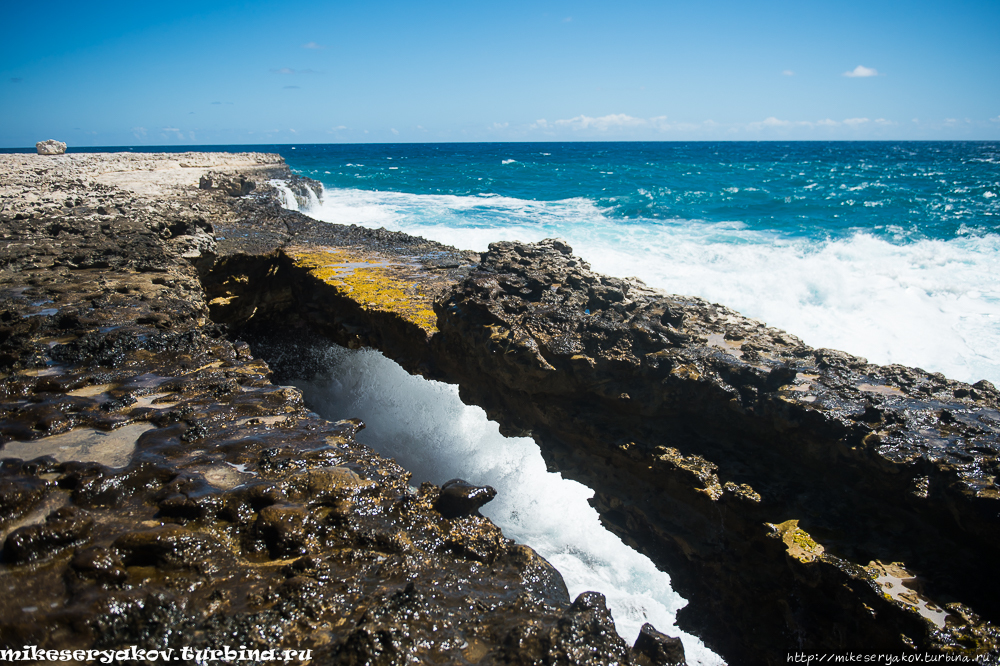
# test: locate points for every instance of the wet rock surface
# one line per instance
(801, 499)
(770, 479)
(157, 489)
(775, 482)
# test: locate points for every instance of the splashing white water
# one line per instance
(429, 431)
(288, 199)
(931, 303)
(314, 201)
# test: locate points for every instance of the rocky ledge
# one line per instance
(802, 499)
(157, 490)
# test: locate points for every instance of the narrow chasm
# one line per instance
(427, 429)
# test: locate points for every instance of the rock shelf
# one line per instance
(158, 490)
(801, 499)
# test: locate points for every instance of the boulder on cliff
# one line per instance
(50, 147)
(235, 185)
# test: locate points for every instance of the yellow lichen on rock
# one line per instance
(373, 282)
(800, 545)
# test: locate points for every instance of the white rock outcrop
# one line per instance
(50, 147)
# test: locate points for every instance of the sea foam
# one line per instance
(425, 426)
(929, 303)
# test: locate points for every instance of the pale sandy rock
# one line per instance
(50, 147)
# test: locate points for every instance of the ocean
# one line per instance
(889, 251)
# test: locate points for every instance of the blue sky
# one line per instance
(99, 74)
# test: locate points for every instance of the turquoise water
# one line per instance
(885, 250)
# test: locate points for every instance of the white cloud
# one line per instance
(883, 121)
(861, 71)
(139, 132)
(496, 126)
(170, 129)
(603, 123)
(995, 120)
(772, 122)
(394, 130)
(827, 122)
(619, 123)
(313, 45)
(855, 122)
(788, 72)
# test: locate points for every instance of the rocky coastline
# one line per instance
(158, 485)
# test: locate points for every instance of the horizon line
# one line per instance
(85, 149)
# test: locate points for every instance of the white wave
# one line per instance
(933, 304)
(287, 196)
(425, 426)
(313, 199)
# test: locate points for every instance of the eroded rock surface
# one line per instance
(50, 147)
(801, 499)
(771, 479)
(775, 482)
(156, 489)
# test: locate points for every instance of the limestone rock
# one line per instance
(235, 185)
(50, 147)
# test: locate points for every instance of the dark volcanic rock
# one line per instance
(157, 490)
(655, 649)
(459, 498)
(781, 486)
(774, 481)
(801, 499)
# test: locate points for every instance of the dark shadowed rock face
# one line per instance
(653, 648)
(461, 498)
(774, 481)
(157, 490)
(797, 496)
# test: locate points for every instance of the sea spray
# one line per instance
(288, 199)
(930, 303)
(427, 429)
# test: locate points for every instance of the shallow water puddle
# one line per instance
(227, 476)
(111, 448)
(90, 391)
(55, 501)
(150, 401)
(893, 579)
(731, 347)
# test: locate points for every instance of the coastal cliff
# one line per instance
(801, 499)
